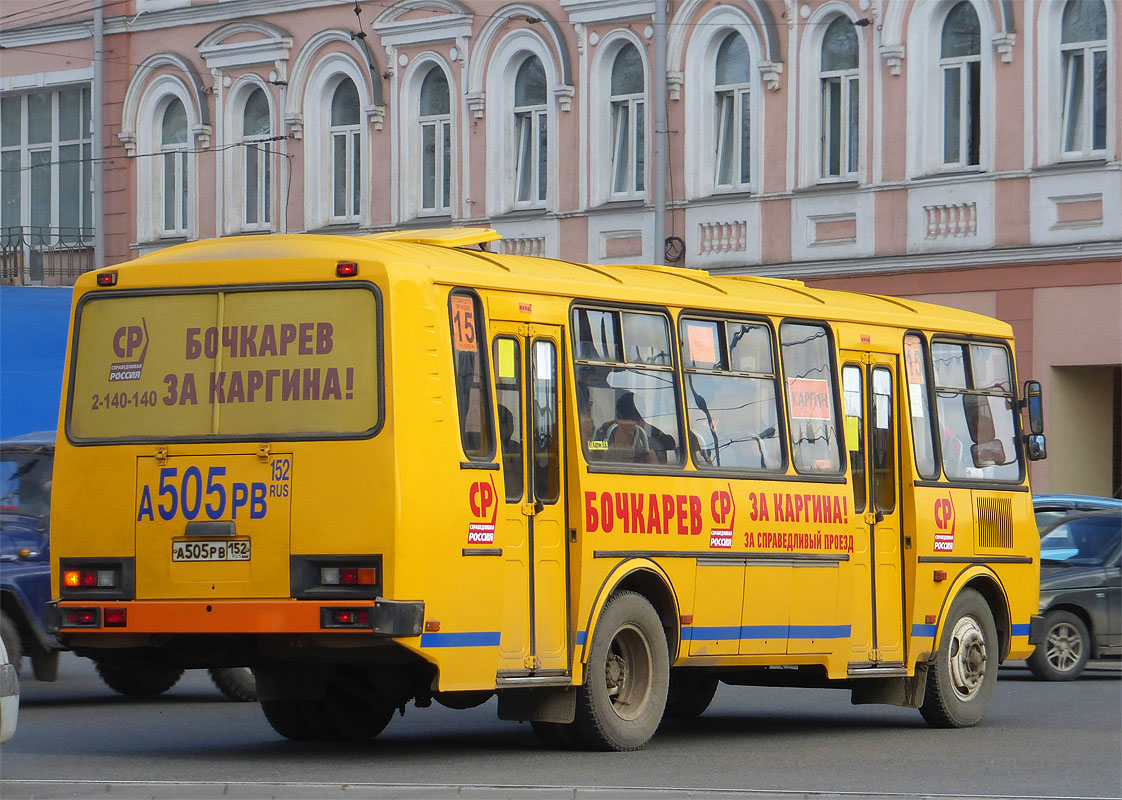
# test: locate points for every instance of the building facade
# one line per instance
(959, 151)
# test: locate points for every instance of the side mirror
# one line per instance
(1037, 449)
(1034, 399)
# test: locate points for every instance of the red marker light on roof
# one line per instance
(107, 278)
(346, 269)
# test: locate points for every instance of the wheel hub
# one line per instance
(968, 658)
(1064, 647)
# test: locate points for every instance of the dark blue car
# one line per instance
(25, 559)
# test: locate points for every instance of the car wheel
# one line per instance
(10, 634)
(961, 682)
(140, 679)
(1066, 647)
(626, 679)
(236, 683)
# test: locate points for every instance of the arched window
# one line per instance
(628, 155)
(256, 128)
(1083, 50)
(436, 143)
(346, 153)
(733, 114)
(841, 100)
(531, 133)
(175, 185)
(960, 64)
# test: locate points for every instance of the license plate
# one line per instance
(221, 550)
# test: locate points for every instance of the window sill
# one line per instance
(1072, 165)
(969, 172)
(829, 187)
(515, 214)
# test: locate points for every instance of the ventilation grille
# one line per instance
(995, 523)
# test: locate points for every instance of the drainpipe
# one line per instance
(658, 184)
(96, 96)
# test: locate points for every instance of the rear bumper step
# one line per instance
(394, 618)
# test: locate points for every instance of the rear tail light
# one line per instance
(101, 578)
(81, 618)
(348, 576)
(89, 578)
(345, 618)
(115, 617)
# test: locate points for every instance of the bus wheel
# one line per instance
(236, 683)
(691, 692)
(620, 705)
(287, 718)
(139, 679)
(10, 634)
(342, 716)
(961, 682)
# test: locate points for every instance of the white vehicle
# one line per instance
(9, 696)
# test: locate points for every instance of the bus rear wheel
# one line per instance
(626, 679)
(139, 679)
(960, 684)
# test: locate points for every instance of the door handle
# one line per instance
(530, 509)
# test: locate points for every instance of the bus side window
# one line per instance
(808, 370)
(627, 406)
(732, 406)
(919, 404)
(508, 391)
(974, 400)
(853, 399)
(473, 395)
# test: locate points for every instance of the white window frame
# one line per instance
(699, 96)
(180, 192)
(963, 65)
(412, 127)
(849, 82)
(924, 122)
(51, 150)
(1051, 95)
(628, 141)
(731, 102)
(506, 59)
(603, 116)
(531, 122)
(812, 81)
(315, 77)
(1087, 51)
(255, 149)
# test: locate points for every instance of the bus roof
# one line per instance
(439, 256)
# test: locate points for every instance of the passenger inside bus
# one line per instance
(631, 438)
(512, 454)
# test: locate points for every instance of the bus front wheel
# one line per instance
(626, 679)
(960, 684)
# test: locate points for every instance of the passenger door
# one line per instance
(873, 440)
(527, 368)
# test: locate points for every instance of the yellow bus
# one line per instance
(401, 468)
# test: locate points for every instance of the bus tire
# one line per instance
(1066, 647)
(236, 683)
(142, 679)
(286, 717)
(342, 716)
(10, 635)
(626, 679)
(960, 684)
(691, 692)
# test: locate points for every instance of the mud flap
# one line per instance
(907, 692)
(538, 705)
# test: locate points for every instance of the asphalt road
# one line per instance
(77, 738)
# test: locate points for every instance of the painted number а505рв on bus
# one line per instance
(188, 496)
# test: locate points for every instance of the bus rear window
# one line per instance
(295, 363)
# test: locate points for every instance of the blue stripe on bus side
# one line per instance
(923, 630)
(479, 639)
(1021, 630)
(582, 636)
(751, 632)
